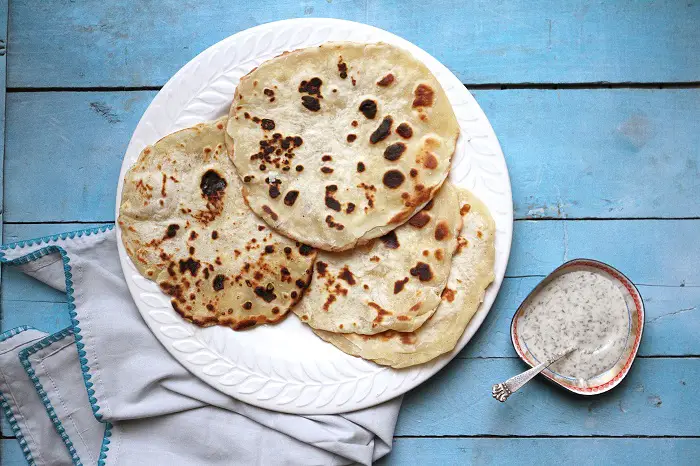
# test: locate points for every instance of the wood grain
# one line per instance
(574, 153)
(97, 43)
(507, 451)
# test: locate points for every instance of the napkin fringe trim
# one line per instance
(74, 329)
(7, 408)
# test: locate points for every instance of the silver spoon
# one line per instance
(501, 391)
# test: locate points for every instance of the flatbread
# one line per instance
(395, 282)
(185, 226)
(341, 143)
(472, 271)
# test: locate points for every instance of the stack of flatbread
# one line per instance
(322, 192)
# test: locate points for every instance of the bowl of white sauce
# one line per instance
(590, 306)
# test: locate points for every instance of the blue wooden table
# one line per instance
(596, 105)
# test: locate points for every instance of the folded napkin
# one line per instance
(104, 391)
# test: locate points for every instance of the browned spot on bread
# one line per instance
(390, 240)
(430, 162)
(381, 312)
(247, 305)
(214, 234)
(332, 203)
(403, 318)
(422, 271)
(270, 212)
(382, 131)
(301, 284)
(350, 208)
(267, 124)
(351, 138)
(429, 205)
(448, 295)
(404, 130)
(172, 230)
(342, 68)
(266, 293)
(274, 191)
(244, 324)
(329, 301)
(368, 108)
(413, 173)
(193, 235)
(393, 179)
(218, 282)
(311, 103)
(386, 80)
(398, 286)
(346, 274)
(299, 168)
(465, 209)
(479, 234)
(360, 167)
(419, 220)
(212, 185)
(326, 158)
(416, 306)
(394, 151)
(408, 338)
(442, 230)
(321, 268)
(291, 197)
(191, 265)
(311, 87)
(326, 170)
(330, 221)
(439, 254)
(426, 253)
(305, 250)
(424, 96)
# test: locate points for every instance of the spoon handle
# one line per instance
(501, 391)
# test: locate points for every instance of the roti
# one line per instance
(341, 143)
(472, 272)
(185, 226)
(395, 282)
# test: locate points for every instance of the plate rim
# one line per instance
(504, 231)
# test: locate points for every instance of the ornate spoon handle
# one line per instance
(501, 391)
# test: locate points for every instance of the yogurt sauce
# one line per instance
(580, 309)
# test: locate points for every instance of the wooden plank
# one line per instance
(672, 318)
(96, 43)
(579, 451)
(78, 153)
(658, 397)
(487, 451)
(570, 153)
(599, 153)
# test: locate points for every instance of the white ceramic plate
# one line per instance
(285, 367)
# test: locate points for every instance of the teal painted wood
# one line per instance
(494, 451)
(97, 43)
(599, 153)
(658, 397)
(575, 153)
(71, 172)
(511, 451)
(672, 317)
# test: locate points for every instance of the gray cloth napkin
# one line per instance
(104, 391)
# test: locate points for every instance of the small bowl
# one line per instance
(635, 307)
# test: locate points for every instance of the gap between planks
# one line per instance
(471, 86)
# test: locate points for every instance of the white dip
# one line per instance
(577, 309)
